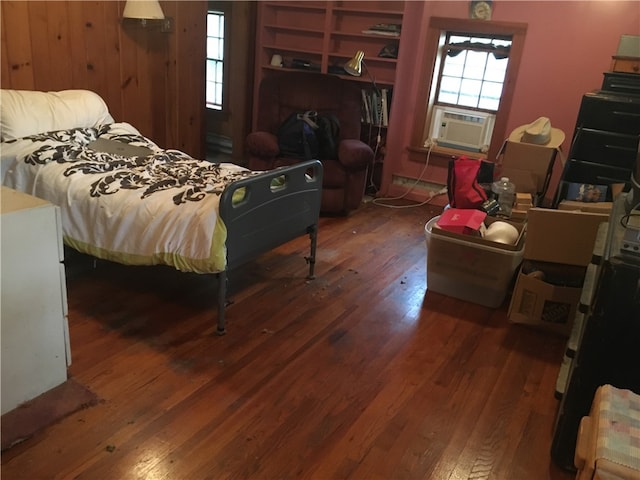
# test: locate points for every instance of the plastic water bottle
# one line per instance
(505, 192)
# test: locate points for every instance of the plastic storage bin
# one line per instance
(469, 271)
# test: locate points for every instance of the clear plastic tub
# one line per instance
(469, 271)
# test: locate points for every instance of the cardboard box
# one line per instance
(544, 305)
(564, 241)
(599, 207)
(561, 236)
(527, 165)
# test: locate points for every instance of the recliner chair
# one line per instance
(280, 94)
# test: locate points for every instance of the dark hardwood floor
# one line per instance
(360, 374)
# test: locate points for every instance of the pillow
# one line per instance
(26, 112)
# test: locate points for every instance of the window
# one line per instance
(473, 71)
(215, 60)
(469, 77)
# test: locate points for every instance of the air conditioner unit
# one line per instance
(462, 129)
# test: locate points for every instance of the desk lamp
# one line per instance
(354, 68)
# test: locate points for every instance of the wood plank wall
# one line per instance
(151, 79)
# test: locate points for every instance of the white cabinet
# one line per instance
(33, 312)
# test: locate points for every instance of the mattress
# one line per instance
(160, 208)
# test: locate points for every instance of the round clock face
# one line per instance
(481, 10)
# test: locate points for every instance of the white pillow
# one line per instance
(26, 112)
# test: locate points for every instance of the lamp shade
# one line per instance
(354, 66)
(143, 9)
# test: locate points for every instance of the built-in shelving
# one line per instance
(323, 35)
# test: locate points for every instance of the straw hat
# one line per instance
(539, 132)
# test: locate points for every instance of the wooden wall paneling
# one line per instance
(130, 83)
(241, 75)
(155, 83)
(96, 50)
(144, 62)
(78, 46)
(171, 85)
(57, 37)
(4, 65)
(42, 65)
(113, 17)
(18, 36)
(152, 80)
(190, 35)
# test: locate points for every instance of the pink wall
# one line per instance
(568, 46)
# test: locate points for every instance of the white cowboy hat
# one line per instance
(539, 132)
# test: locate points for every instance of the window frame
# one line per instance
(224, 7)
(485, 50)
(435, 37)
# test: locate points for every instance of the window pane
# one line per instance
(454, 66)
(469, 92)
(215, 24)
(449, 90)
(221, 49)
(475, 65)
(219, 93)
(219, 72)
(211, 70)
(212, 49)
(496, 69)
(490, 95)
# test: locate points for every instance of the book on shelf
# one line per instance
(380, 32)
(366, 111)
(375, 106)
(384, 107)
(387, 29)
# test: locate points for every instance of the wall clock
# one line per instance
(480, 10)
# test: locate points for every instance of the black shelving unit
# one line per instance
(607, 352)
(605, 139)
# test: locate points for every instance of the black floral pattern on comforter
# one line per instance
(162, 170)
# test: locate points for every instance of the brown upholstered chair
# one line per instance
(345, 177)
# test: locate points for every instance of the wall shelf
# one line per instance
(328, 32)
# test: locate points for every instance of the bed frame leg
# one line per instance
(311, 259)
(222, 298)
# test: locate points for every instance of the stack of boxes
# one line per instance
(559, 246)
(524, 201)
(548, 262)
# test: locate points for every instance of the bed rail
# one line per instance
(265, 211)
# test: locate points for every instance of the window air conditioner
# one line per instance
(462, 129)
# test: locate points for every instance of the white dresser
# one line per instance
(33, 312)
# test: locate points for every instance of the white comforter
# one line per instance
(159, 209)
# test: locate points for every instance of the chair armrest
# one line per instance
(354, 154)
(263, 144)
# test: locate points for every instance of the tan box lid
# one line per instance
(527, 165)
(595, 207)
(561, 236)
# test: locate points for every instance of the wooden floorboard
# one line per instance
(362, 373)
